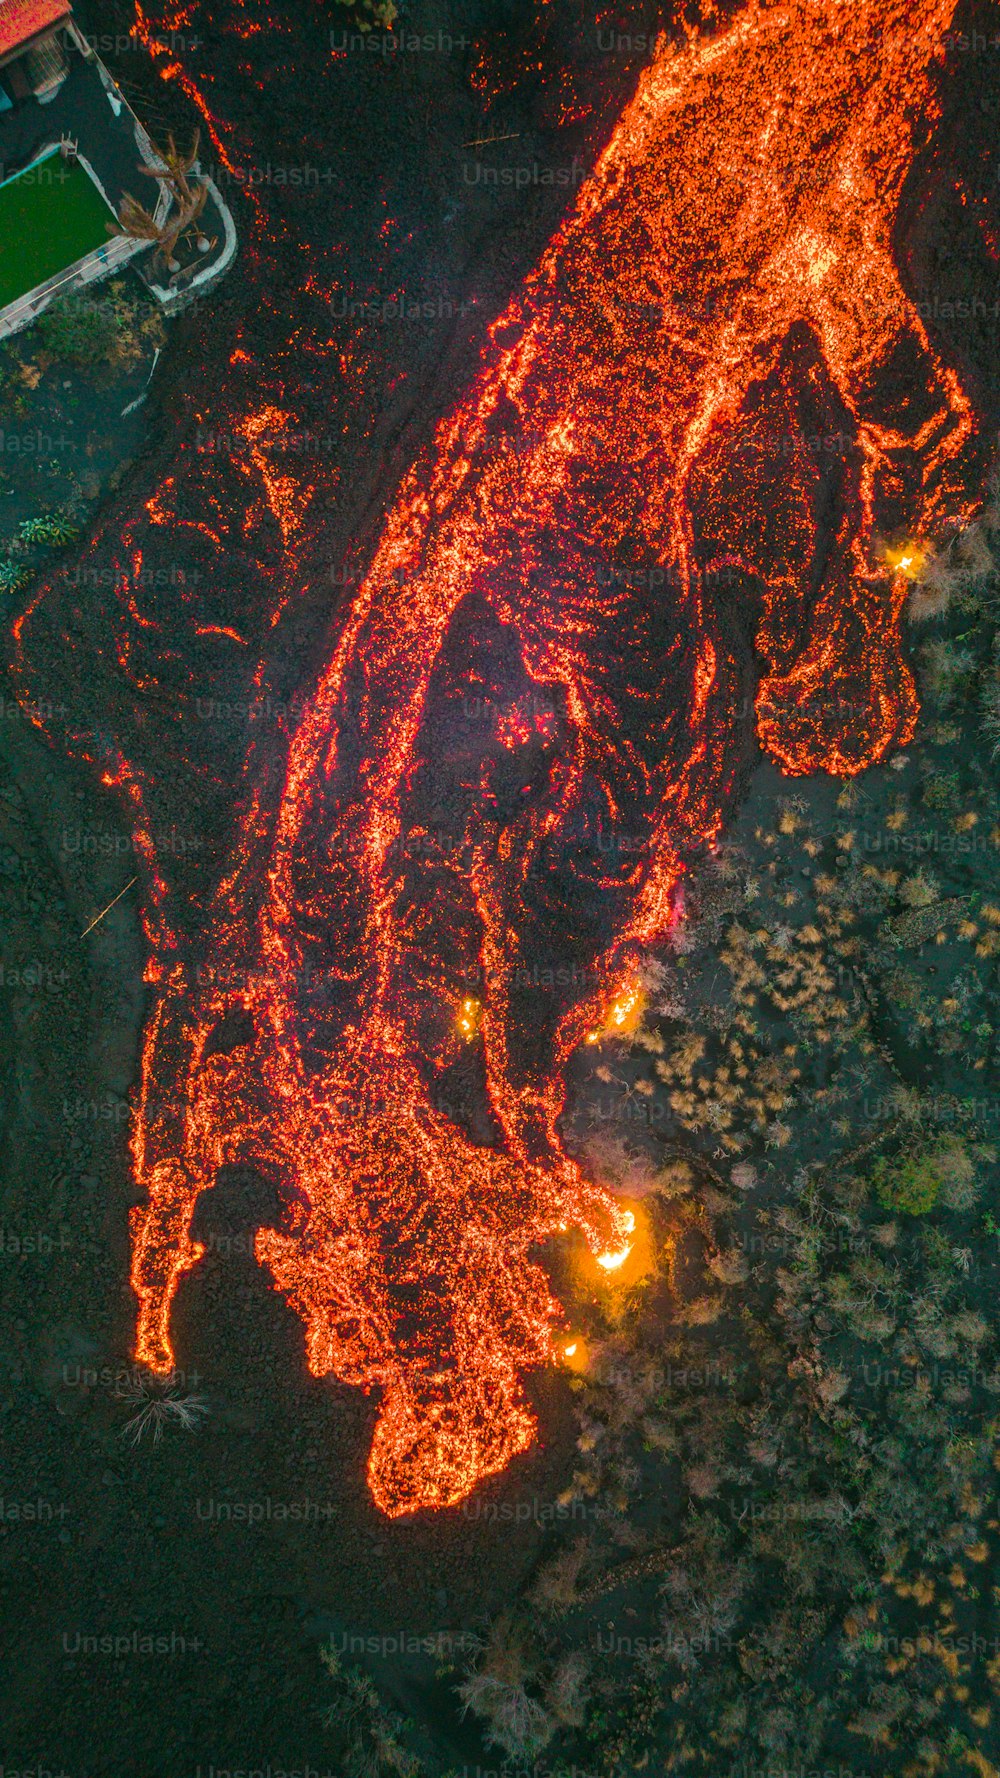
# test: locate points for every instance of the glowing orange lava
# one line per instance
(634, 471)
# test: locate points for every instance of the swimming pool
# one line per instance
(51, 215)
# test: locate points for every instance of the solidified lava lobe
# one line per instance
(547, 645)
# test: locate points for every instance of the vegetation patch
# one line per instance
(780, 1537)
(107, 330)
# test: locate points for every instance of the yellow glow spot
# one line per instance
(469, 1015)
(574, 1354)
(611, 1261)
(910, 559)
(623, 1015)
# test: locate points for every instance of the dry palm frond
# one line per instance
(158, 1404)
(135, 222)
(187, 214)
(173, 167)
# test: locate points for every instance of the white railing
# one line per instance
(102, 260)
(98, 263)
(119, 250)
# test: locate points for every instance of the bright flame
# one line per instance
(622, 1009)
(622, 1017)
(469, 1015)
(909, 559)
(611, 1262)
(575, 1355)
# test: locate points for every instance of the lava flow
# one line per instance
(692, 427)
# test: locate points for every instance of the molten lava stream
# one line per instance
(637, 442)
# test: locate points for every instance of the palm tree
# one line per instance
(135, 222)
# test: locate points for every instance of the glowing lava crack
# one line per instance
(634, 470)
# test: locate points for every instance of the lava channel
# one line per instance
(626, 517)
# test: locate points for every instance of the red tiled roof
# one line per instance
(20, 20)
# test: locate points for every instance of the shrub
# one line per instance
(919, 891)
(371, 12)
(729, 1266)
(991, 716)
(567, 1692)
(13, 402)
(947, 668)
(941, 792)
(78, 331)
(556, 1586)
(951, 574)
(54, 528)
(675, 1179)
(913, 1184)
(959, 1186)
(496, 1690)
(105, 330)
(374, 1749)
(12, 577)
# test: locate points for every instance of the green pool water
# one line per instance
(51, 215)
